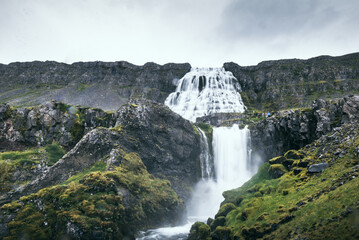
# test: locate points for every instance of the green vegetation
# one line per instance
(109, 204)
(26, 161)
(299, 204)
(55, 152)
(82, 86)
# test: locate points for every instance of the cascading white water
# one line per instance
(202, 92)
(205, 157)
(232, 169)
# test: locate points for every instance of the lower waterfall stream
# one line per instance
(232, 168)
(201, 92)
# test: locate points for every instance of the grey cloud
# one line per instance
(270, 18)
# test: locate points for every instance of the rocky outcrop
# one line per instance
(293, 129)
(166, 143)
(105, 85)
(284, 84)
(51, 122)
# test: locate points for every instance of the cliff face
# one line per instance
(293, 129)
(284, 84)
(92, 84)
(270, 85)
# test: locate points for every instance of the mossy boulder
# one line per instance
(293, 154)
(277, 170)
(276, 160)
(219, 221)
(225, 209)
(199, 231)
(221, 233)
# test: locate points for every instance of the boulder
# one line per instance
(317, 168)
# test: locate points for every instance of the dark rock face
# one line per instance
(105, 85)
(284, 84)
(290, 129)
(166, 143)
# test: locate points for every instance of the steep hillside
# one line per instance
(311, 193)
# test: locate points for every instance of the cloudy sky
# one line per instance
(201, 32)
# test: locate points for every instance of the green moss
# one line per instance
(276, 160)
(55, 152)
(94, 201)
(63, 107)
(117, 128)
(293, 154)
(82, 86)
(225, 209)
(208, 130)
(78, 128)
(199, 231)
(28, 158)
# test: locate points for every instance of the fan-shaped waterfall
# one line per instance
(204, 91)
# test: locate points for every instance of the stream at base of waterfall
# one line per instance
(201, 92)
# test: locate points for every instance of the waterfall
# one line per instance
(201, 92)
(232, 169)
(205, 157)
(204, 91)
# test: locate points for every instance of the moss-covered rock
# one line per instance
(276, 160)
(225, 209)
(277, 170)
(293, 154)
(199, 231)
(108, 204)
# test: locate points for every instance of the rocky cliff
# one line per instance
(293, 129)
(284, 84)
(270, 85)
(105, 85)
(290, 129)
(138, 163)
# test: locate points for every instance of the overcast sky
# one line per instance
(201, 32)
